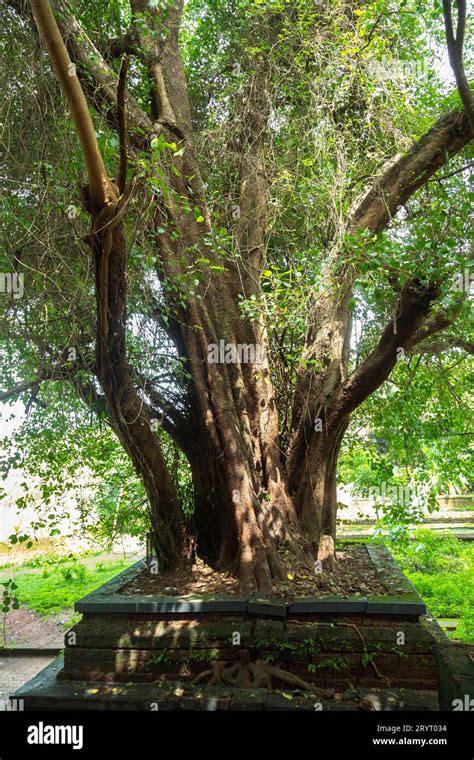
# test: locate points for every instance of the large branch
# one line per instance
(158, 40)
(436, 323)
(397, 182)
(406, 174)
(126, 45)
(253, 180)
(17, 390)
(99, 183)
(446, 343)
(59, 371)
(455, 51)
(411, 309)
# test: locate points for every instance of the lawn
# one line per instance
(441, 568)
(50, 584)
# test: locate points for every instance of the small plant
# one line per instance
(333, 663)
(303, 650)
(161, 658)
(75, 572)
(9, 602)
(203, 655)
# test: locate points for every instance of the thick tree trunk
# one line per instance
(316, 493)
(131, 421)
(224, 402)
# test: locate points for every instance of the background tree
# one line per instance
(268, 193)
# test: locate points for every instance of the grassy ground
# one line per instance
(49, 584)
(441, 567)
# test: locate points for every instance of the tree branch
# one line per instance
(17, 390)
(436, 323)
(447, 343)
(404, 175)
(99, 183)
(251, 223)
(412, 307)
(57, 372)
(170, 106)
(455, 52)
(120, 46)
(122, 126)
(99, 81)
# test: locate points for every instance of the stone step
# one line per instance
(46, 692)
(124, 633)
(400, 668)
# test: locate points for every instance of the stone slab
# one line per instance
(328, 605)
(108, 600)
(275, 608)
(45, 692)
(408, 604)
(115, 603)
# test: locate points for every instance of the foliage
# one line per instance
(414, 434)
(9, 602)
(441, 567)
(68, 457)
(348, 86)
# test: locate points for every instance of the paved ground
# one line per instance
(15, 671)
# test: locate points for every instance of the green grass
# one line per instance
(441, 568)
(52, 587)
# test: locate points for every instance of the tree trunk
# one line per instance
(316, 493)
(132, 423)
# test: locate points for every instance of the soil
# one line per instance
(355, 575)
(26, 628)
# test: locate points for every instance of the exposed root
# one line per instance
(250, 675)
(372, 663)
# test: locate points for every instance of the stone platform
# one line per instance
(128, 652)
